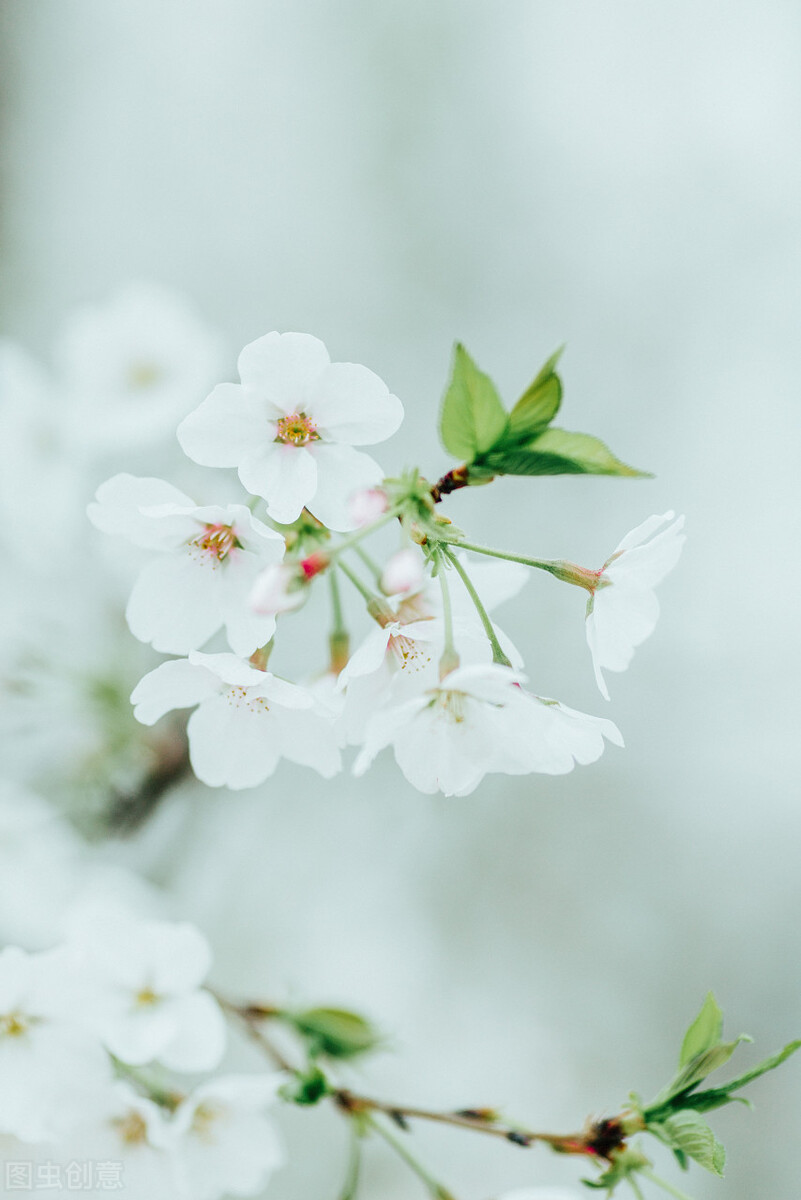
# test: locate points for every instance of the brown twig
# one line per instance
(598, 1139)
(452, 481)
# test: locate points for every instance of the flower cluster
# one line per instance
(435, 679)
(92, 1034)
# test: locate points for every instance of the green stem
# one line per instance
(353, 1168)
(377, 606)
(362, 588)
(434, 1186)
(663, 1183)
(369, 562)
(337, 620)
(354, 538)
(635, 1187)
(338, 641)
(498, 655)
(450, 657)
(544, 564)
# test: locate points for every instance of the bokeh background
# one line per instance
(624, 178)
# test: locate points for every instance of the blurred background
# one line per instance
(624, 178)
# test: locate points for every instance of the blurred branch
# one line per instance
(128, 811)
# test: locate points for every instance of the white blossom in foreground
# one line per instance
(132, 367)
(210, 558)
(399, 659)
(291, 426)
(50, 1071)
(121, 1150)
(221, 1142)
(479, 721)
(622, 610)
(142, 992)
(245, 722)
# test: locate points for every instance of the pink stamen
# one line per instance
(218, 540)
(296, 430)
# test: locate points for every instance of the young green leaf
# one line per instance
(704, 1033)
(538, 405)
(694, 1072)
(473, 418)
(689, 1133)
(558, 452)
(716, 1097)
(334, 1032)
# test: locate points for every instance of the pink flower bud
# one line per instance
(314, 564)
(403, 573)
(367, 506)
(279, 588)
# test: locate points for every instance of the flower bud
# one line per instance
(367, 506)
(313, 564)
(403, 573)
(279, 588)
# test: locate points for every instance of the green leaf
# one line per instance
(694, 1072)
(688, 1132)
(334, 1032)
(716, 1097)
(558, 452)
(705, 1031)
(306, 1089)
(473, 418)
(538, 405)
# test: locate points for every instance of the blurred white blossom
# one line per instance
(132, 366)
(141, 992)
(221, 1142)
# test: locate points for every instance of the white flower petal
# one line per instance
(642, 532)
(246, 630)
(229, 668)
(349, 404)
(201, 1034)
(282, 367)
(118, 505)
(223, 429)
(309, 740)
(341, 471)
(285, 476)
(175, 684)
(232, 744)
(176, 603)
(369, 656)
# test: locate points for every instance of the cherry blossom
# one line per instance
(220, 1140)
(142, 992)
(246, 719)
(398, 659)
(129, 1135)
(50, 1071)
(622, 610)
(478, 720)
(210, 558)
(133, 366)
(291, 426)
